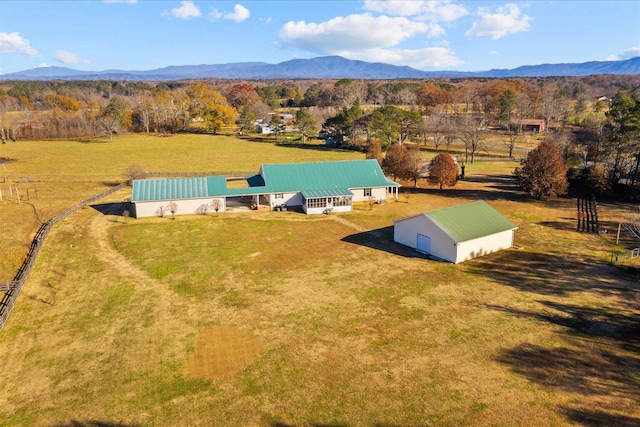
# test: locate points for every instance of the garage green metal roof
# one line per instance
(469, 221)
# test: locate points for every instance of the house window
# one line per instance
(279, 196)
(317, 203)
(367, 192)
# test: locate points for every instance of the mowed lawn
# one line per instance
(282, 319)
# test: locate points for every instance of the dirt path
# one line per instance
(109, 255)
(348, 223)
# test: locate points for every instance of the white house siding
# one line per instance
(185, 207)
(335, 209)
(484, 245)
(377, 193)
(289, 199)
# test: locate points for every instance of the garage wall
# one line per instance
(405, 231)
(484, 245)
(185, 207)
(442, 245)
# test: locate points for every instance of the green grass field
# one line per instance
(281, 319)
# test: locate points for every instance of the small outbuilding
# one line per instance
(456, 234)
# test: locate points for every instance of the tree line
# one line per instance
(592, 121)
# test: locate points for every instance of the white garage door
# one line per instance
(423, 244)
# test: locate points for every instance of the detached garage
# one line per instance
(456, 234)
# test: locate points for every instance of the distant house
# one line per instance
(531, 125)
(316, 187)
(264, 128)
(456, 234)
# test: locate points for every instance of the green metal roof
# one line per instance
(334, 192)
(324, 176)
(329, 177)
(167, 189)
(470, 221)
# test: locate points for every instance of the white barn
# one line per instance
(456, 234)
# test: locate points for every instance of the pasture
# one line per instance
(280, 319)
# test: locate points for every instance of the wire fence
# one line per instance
(14, 287)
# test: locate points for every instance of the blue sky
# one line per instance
(428, 35)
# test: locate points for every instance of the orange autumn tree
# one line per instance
(443, 170)
(544, 172)
(211, 106)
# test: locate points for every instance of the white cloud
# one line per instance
(431, 10)
(43, 65)
(506, 20)
(239, 14)
(67, 57)
(13, 42)
(187, 10)
(422, 59)
(215, 14)
(353, 32)
(627, 54)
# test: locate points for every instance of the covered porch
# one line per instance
(327, 201)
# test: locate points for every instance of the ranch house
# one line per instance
(315, 187)
(456, 234)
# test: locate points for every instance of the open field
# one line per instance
(280, 319)
(63, 173)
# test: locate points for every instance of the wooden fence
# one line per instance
(15, 286)
(588, 215)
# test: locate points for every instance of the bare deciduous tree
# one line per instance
(173, 208)
(472, 135)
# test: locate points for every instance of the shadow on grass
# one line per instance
(596, 372)
(600, 357)
(280, 424)
(599, 418)
(499, 182)
(381, 239)
(551, 274)
(296, 143)
(468, 194)
(116, 209)
(620, 328)
(566, 225)
(92, 423)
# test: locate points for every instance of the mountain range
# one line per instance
(326, 67)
